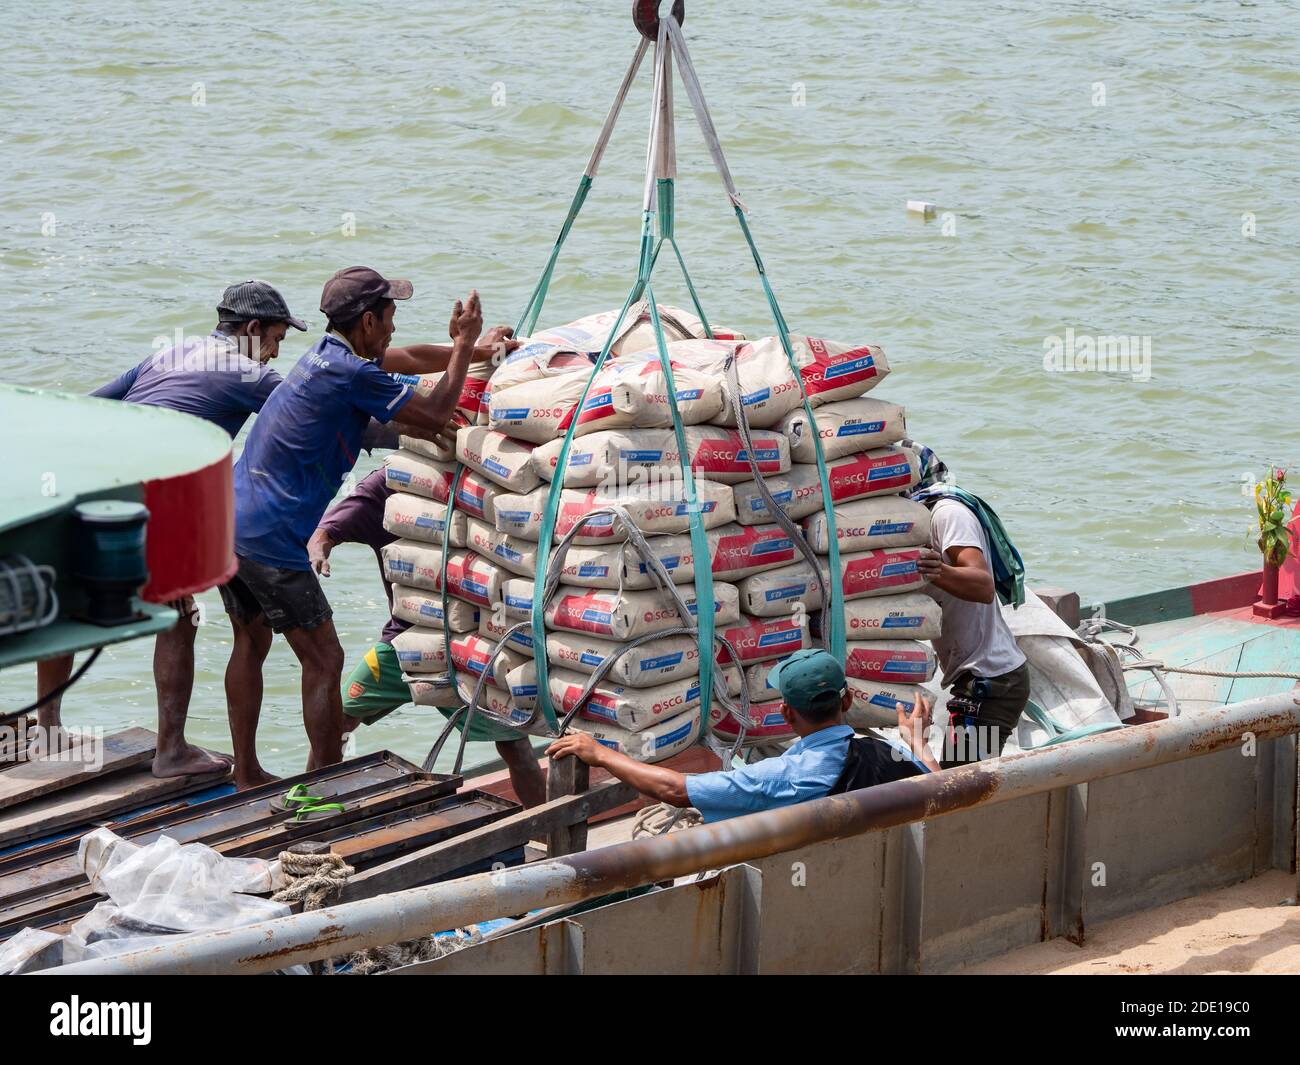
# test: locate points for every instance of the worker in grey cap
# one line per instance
(301, 448)
(222, 378)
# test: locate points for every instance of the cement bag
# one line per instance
(477, 496)
(766, 722)
(412, 563)
(407, 472)
(517, 598)
(424, 608)
(473, 578)
(736, 550)
(432, 690)
(633, 456)
(502, 704)
(494, 624)
(867, 573)
(421, 650)
(469, 576)
(470, 653)
(760, 691)
(517, 556)
(631, 708)
(536, 410)
(621, 565)
(443, 449)
(889, 661)
(832, 371)
(845, 428)
(635, 332)
(866, 524)
(657, 662)
(428, 692)
(470, 401)
(885, 572)
(741, 550)
(909, 614)
(677, 324)
(633, 392)
(763, 639)
(768, 389)
(521, 685)
(605, 613)
(535, 360)
(799, 493)
(875, 705)
(652, 744)
(417, 518)
(780, 591)
(500, 459)
(661, 510)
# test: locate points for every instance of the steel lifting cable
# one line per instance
(660, 168)
(528, 320)
(703, 576)
(660, 576)
(778, 513)
(834, 602)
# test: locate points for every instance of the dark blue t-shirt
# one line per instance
(207, 377)
(303, 444)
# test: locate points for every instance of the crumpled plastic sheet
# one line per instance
(155, 891)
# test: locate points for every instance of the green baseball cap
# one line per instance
(806, 678)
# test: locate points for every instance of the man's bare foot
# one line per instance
(189, 761)
(255, 778)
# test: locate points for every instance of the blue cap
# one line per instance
(806, 677)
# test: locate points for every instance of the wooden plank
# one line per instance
(56, 771)
(61, 870)
(567, 776)
(354, 778)
(96, 800)
(13, 747)
(429, 863)
(453, 817)
(361, 844)
(1279, 651)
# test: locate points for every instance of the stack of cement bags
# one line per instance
(879, 530)
(422, 474)
(625, 453)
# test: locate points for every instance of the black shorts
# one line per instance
(990, 709)
(289, 598)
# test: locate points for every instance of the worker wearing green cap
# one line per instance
(826, 758)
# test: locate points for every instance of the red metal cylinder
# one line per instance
(190, 538)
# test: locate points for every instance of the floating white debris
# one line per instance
(921, 207)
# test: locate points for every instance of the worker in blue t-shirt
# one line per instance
(814, 698)
(303, 445)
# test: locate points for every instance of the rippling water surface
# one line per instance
(1112, 169)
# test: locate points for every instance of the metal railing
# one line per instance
(575, 878)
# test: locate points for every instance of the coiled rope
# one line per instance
(660, 819)
(315, 878)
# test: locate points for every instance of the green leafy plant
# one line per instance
(1273, 501)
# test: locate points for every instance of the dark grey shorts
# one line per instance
(289, 598)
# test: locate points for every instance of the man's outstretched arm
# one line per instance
(434, 410)
(665, 785)
(435, 358)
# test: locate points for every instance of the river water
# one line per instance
(1098, 170)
